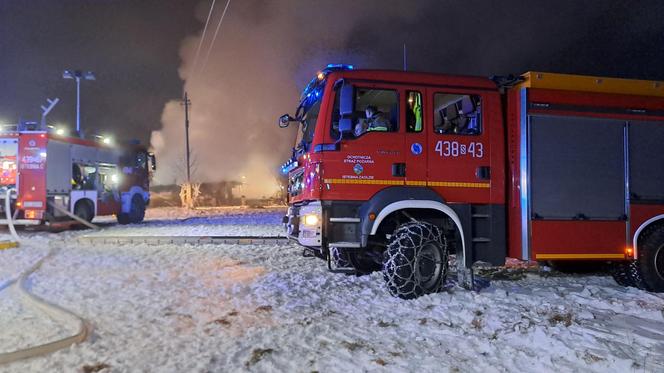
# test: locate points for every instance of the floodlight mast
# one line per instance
(78, 74)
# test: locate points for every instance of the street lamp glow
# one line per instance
(78, 74)
(107, 140)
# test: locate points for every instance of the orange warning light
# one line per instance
(629, 251)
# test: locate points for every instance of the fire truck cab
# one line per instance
(542, 167)
(50, 177)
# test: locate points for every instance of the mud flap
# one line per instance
(466, 278)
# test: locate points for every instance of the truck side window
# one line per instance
(88, 176)
(413, 111)
(376, 110)
(457, 114)
(108, 176)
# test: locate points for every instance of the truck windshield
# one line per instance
(307, 126)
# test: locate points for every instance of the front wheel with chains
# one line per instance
(416, 260)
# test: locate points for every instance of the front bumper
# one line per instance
(305, 224)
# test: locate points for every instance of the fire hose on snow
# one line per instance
(55, 312)
(73, 216)
(10, 222)
(52, 310)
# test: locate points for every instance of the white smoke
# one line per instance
(264, 54)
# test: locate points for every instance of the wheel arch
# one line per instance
(655, 220)
(431, 205)
(90, 196)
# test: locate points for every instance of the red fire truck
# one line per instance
(541, 167)
(52, 175)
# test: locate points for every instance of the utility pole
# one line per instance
(187, 104)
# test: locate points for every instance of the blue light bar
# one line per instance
(288, 166)
(339, 66)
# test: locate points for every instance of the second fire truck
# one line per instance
(51, 175)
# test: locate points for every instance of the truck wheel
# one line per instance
(416, 260)
(82, 210)
(136, 212)
(651, 259)
(621, 274)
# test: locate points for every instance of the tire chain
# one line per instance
(398, 271)
(621, 274)
(629, 274)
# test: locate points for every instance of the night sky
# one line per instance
(267, 50)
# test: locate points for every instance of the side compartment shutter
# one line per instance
(577, 168)
(646, 155)
(58, 167)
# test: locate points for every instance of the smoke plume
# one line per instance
(266, 51)
(261, 59)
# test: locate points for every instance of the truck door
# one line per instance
(368, 160)
(458, 145)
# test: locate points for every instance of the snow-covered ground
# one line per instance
(266, 308)
(220, 221)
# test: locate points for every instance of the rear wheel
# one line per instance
(416, 260)
(651, 258)
(621, 274)
(83, 210)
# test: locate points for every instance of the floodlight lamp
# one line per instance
(68, 74)
(89, 75)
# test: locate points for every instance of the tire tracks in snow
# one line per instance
(57, 313)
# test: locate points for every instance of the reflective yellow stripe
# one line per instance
(449, 184)
(456, 184)
(579, 256)
(416, 183)
(364, 181)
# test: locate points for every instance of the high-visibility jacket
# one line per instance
(378, 123)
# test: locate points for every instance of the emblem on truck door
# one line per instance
(358, 169)
(416, 148)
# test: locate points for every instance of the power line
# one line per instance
(214, 38)
(200, 43)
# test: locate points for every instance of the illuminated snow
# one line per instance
(267, 308)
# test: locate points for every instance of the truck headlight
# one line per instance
(311, 219)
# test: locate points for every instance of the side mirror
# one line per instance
(346, 109)
(347, 100)
(345, 126)
(153, 161)
(285, 120)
